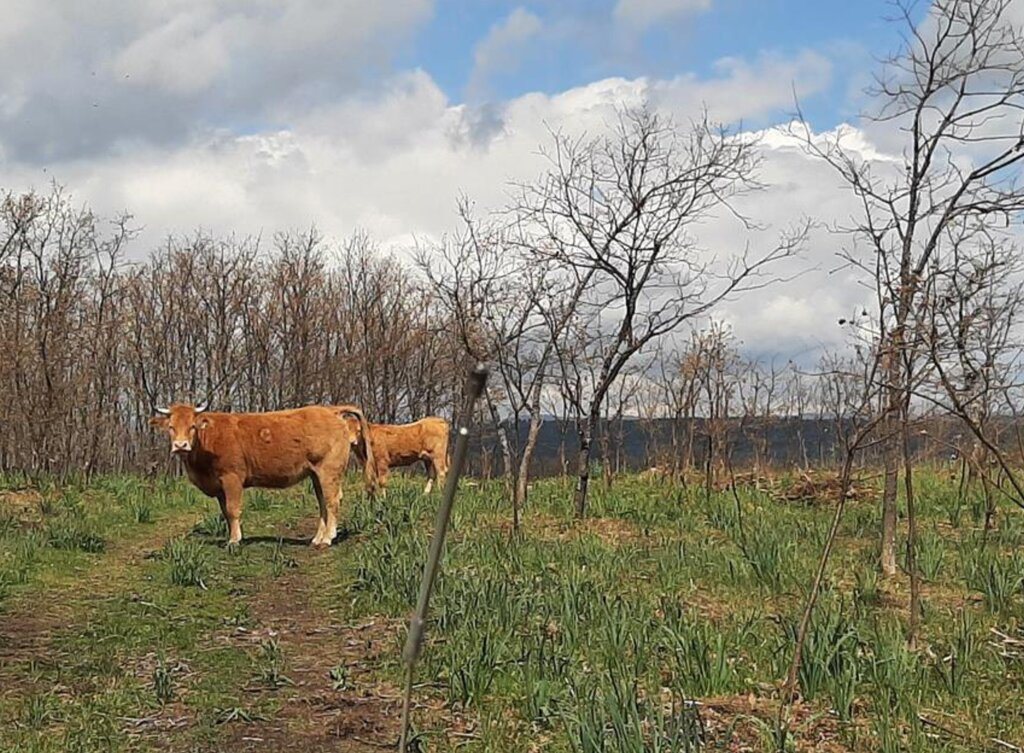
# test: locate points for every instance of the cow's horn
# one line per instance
(202, 406)
(163, 411)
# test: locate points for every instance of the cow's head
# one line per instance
(183, 423)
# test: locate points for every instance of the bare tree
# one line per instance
(716, 363)
(676, 395)
(974, 304)
(955, 91)
(391, 335)
(60, 274)
(620, 208)
(758, 390)
(504, 306)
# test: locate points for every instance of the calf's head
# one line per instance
(182, 422)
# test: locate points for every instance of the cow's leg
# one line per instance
(440, 463)
(321, 529)
(223, 501)
(332, 497)
(431, 475)
(232, 487)
(382, 479)
(329, 496)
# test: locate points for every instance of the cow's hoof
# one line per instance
(233, 547)
(320, 544)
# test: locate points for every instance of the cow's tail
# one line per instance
(365, 446)
(447, 445)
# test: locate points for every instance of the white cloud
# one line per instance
(745, 90)
(642, 14)
(184, 55)
(81, 78)
(500, 50)
(392, 159)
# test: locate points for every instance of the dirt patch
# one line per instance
(815, 487)
(22, 505)
(894, 594)
(810, 487)
(745, 721)
(614, 531)
(333, 699)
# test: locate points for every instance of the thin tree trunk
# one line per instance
(674, 445)
(583, 466)
(888, 560)
(891, 451)
(485, 463)
(915, 579)
(981, 461)
(518, 498)
(523, 477)
(708, 469)
(606, 455)
(690, 430)
(501, 428)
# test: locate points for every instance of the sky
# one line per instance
(252, 116)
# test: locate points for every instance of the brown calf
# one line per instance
(224, 453)
(395, 445)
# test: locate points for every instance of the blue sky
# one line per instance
(852, 35)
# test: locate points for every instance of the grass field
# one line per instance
(663, 623)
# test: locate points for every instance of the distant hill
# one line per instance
(641, 443)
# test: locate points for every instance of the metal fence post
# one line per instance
(417, 624)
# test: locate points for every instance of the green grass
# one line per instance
(649, 627)
(702, 601)
(187, 562)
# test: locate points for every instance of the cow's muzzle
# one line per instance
(180, 447)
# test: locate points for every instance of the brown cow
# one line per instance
(395, 445)
(224, 453)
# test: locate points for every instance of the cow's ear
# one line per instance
(203, 423)
(159, 422)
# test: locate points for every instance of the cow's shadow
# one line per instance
(305, 541)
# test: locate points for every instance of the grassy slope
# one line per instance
(569, 638)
